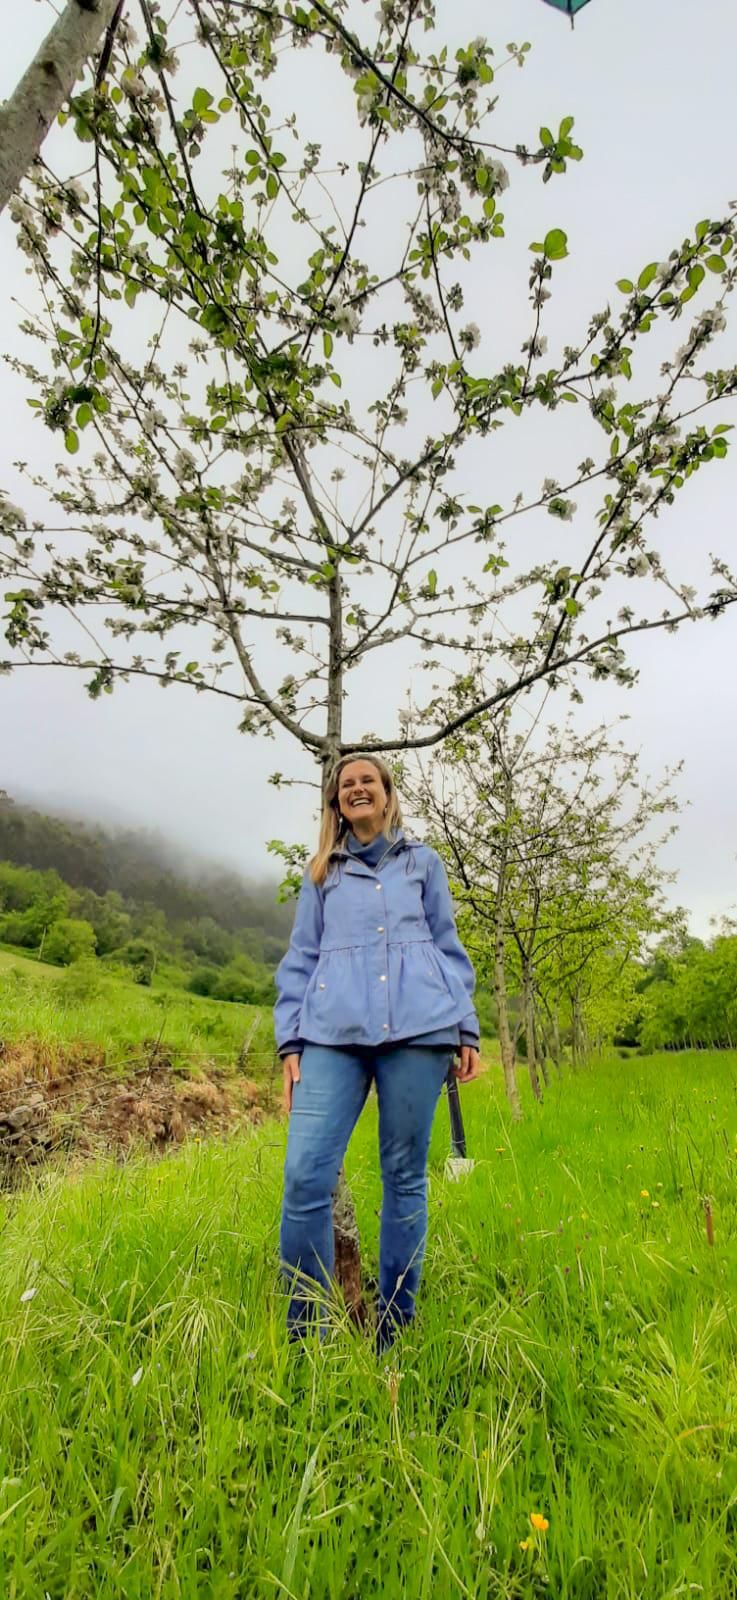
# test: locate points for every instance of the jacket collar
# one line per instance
(341, 854)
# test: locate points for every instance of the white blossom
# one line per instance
(21, 212)
(184, 464)
(346, 318)
(499, 175)
(549, 487)
(134, 85)
(450, 205)
(11, 514)
(641, 565)
(713, 320)
(470, 337)
(153, 419)
(76, 190)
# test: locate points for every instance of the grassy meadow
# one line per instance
(60, 1006)
(575, 1361)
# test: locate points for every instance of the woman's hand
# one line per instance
(469, 1065)
(291, 1076)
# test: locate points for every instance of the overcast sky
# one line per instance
(651, 84)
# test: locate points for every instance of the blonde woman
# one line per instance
(375, 986)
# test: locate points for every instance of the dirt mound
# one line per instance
(64, 1099)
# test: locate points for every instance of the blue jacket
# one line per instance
(374, 956)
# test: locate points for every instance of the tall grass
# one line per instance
(575, 1358)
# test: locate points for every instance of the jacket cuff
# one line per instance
(293, 1048)
(467, 1037)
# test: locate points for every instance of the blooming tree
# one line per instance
(269, 390)
(551, 841)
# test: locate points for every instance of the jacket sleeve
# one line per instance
(297, 966)
(442, 925)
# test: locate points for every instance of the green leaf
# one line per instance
(647, 275)
(84, 415)
(71, 441)
(716, 263)
(565, 127)
(432, 583)
(327, 344)
(546, 138)
(201, 101)
(482, 177)
(625, 284)
(556, 244)
(272, 186)
(537, 246)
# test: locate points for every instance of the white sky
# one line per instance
(651, 85)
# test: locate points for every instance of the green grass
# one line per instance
(576, 1356)
(65, 1006)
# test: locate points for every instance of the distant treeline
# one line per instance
(69, 889)
(688, 995)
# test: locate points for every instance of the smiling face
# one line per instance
(362, 798)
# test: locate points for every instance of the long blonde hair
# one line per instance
(333, 825)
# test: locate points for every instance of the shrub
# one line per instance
(139, 955)
(247, 982)
(204, 981)
(81, 981)
(69, 940)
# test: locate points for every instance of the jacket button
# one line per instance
(382, 979)
(322, 986)
(386, 1027)
(379, 930)
(379, 887)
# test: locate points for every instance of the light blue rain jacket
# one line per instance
(374, 955)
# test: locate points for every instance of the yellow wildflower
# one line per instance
(655, 1205)
(524, 1544)
(540, 1524)
(645, 1194)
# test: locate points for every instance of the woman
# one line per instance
(375, 986)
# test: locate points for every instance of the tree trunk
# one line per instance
(529, 1020)
(345, 1227)
(578, 1046)
(506, 1044)
(26, 117)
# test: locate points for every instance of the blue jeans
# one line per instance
(326, 1105)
